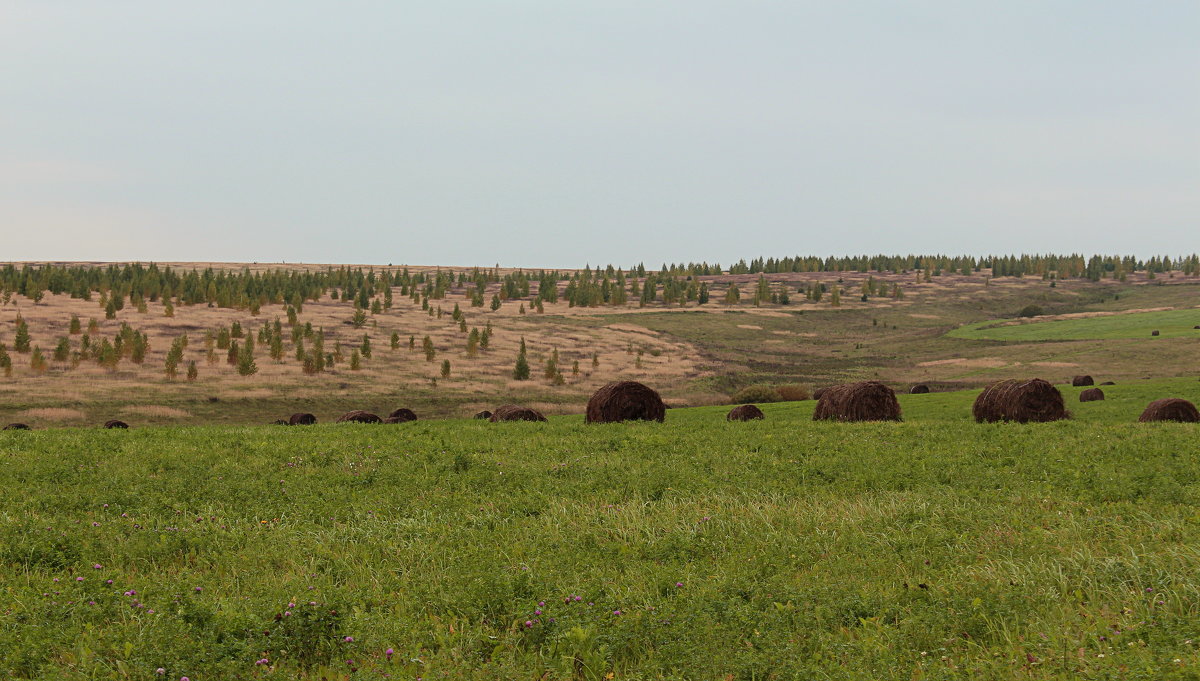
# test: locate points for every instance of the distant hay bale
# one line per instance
(1034, 401)
(1154, 332)
(279, 422)
(512, 412)
(359, 416)
(401, 415)
(1196, 326)
(1170, 409)
(483, 415)
(1080, 381)
(746, 412)
(17, 426)
(301, 418)
(1108, 383)
(863, 401)
(625, 401)
(115, 423)
(919, 389)
(1091, 395)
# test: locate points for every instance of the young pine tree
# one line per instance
(76, 328)
(5, 361)
(445, 368)
(62, 351)
(21, 338)
(245, 360)
(174, 356)
(192, 371)
(366, 346)
(430, 352)
(37, 362)
(395, 340)
(473, 343)
(355, 360)
(521, 368)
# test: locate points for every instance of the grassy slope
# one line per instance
(1169, 323)
(936, 548)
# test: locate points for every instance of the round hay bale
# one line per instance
(17, 426)
(483, 415)
(746, 412)
(512, 412)
(1170, 409)
(863, 401)
(1196, 326)
(115, 423)
(1034, 401)
(279, 422)
(919, 389)
(1081, 381)
(359, 416)
(402, 415)
(302, 419)
(1091, 395)
(625, 401)
(1108, 383)
(1154, 332)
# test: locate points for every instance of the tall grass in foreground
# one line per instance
(694, 549)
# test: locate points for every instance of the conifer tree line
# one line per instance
(114, 286)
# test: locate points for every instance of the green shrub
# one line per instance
(793, 392)
(1031, 311)
(756, 394)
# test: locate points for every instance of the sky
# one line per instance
(556, 134)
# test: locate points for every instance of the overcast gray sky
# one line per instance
(560, 133)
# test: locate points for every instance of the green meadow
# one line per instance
(936, 548)
(1169, 324)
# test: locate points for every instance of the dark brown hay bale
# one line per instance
(279, 422)
(483, 415)
(1196, 326)
(746, 412)
(512, 412)
(1034, 400)
(402, 415)
(114, 423)
(1170, 409)
(302, 419)
(625, 401)
(863, 401)
(1091, 395)
(359, 416)
(818, 392)
(1108, 383)
(1080, 381)
(919, 389)
(1154, 332)
(17, 426)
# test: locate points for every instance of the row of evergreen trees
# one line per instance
(370, 289)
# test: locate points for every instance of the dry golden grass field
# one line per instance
(694, 354)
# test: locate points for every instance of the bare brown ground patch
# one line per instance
(156, 411)
(52, 414)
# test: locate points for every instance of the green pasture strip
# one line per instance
(1169, 324)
